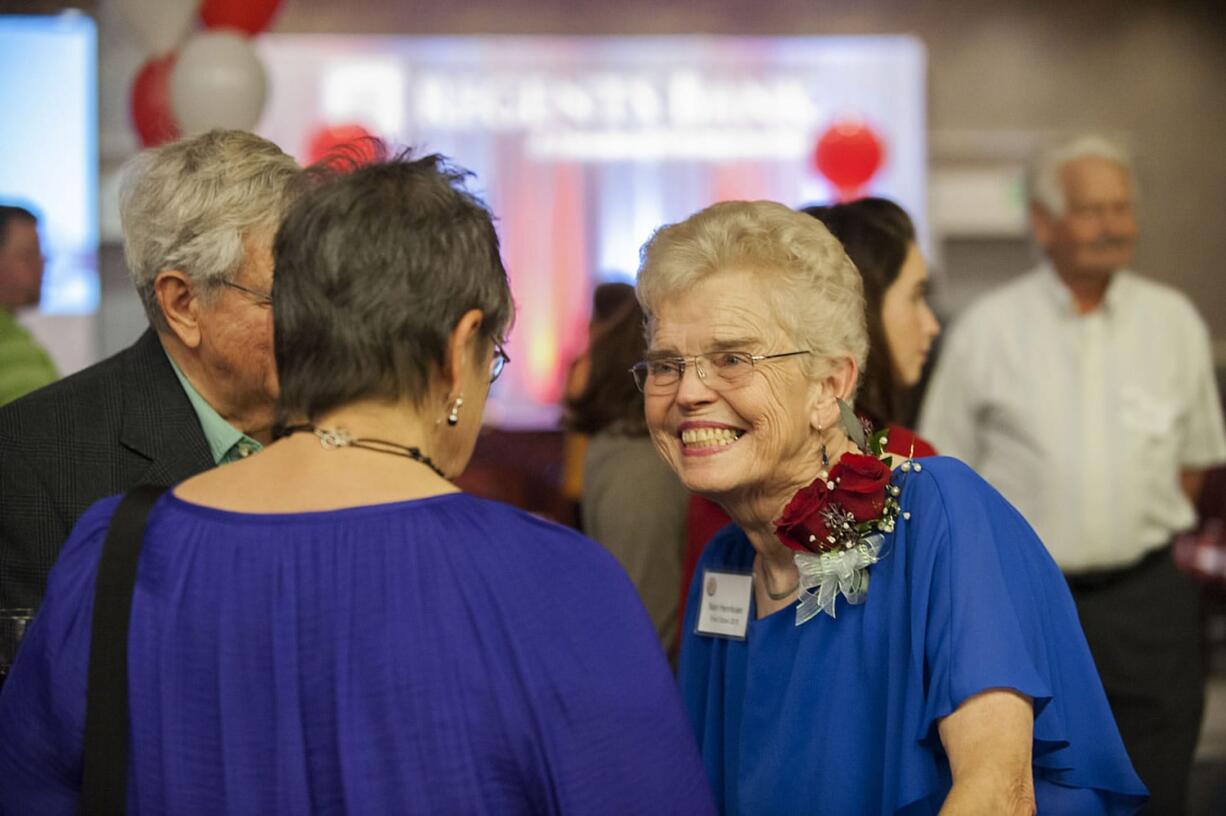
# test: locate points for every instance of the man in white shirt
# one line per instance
(1086, 395)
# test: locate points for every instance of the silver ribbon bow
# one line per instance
(825, 576)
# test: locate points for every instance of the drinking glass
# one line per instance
(13, 624)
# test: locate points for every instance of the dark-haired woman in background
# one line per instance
(331, 626)
(609, 299)
(879, 237)
(633, 503)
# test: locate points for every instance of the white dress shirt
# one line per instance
(1084, 422)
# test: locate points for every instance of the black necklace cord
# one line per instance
(760, 577)
(331, 439)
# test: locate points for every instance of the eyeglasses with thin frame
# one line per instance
(717, 369)
(499, 363)
(261, 298)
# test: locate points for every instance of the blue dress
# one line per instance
(839, 716)
(445, 655)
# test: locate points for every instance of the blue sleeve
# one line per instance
(42, 707)
(996, 613)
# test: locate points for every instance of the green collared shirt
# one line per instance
(24, 365)
(227, 443)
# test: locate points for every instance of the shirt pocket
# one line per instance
(1150, 417)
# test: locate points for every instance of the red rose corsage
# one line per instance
(827, 515)
(838, 524)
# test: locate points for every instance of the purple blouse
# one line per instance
(443, 655)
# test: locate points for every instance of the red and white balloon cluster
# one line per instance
(212, 78)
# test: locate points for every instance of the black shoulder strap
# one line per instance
(104, 785)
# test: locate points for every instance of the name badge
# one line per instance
(724, 611)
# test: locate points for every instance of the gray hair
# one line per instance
(189, 204)
(815, 290)
(1043, 183)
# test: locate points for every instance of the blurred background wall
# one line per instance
(1002, 76)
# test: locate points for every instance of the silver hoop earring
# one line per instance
(453, 418)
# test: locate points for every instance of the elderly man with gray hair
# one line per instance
(196, 390)
(1085, 393)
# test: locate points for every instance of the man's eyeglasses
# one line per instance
(499, 363)
(261, 298)
(717, 369)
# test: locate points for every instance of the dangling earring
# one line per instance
(453, 418)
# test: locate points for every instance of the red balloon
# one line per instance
(349, 144)
(848, 154)
(151, 113)
(251, 16)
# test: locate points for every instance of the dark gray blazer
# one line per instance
(122, 422)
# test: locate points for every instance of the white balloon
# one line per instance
(160, 24)
(217, 82)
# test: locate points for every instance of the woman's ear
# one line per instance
(844, 378)
(839, 384)
(461, 356)
(179, 304)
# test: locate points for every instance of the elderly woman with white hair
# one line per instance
(871, 636)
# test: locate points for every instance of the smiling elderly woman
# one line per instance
(958, 679)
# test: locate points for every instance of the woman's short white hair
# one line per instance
(813, 287)
(189, 204)
(1044, 184)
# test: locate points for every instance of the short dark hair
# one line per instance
(8, 213)
(374, 268)
(611, 400)
(876, 233)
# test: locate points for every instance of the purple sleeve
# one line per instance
(42, 706)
